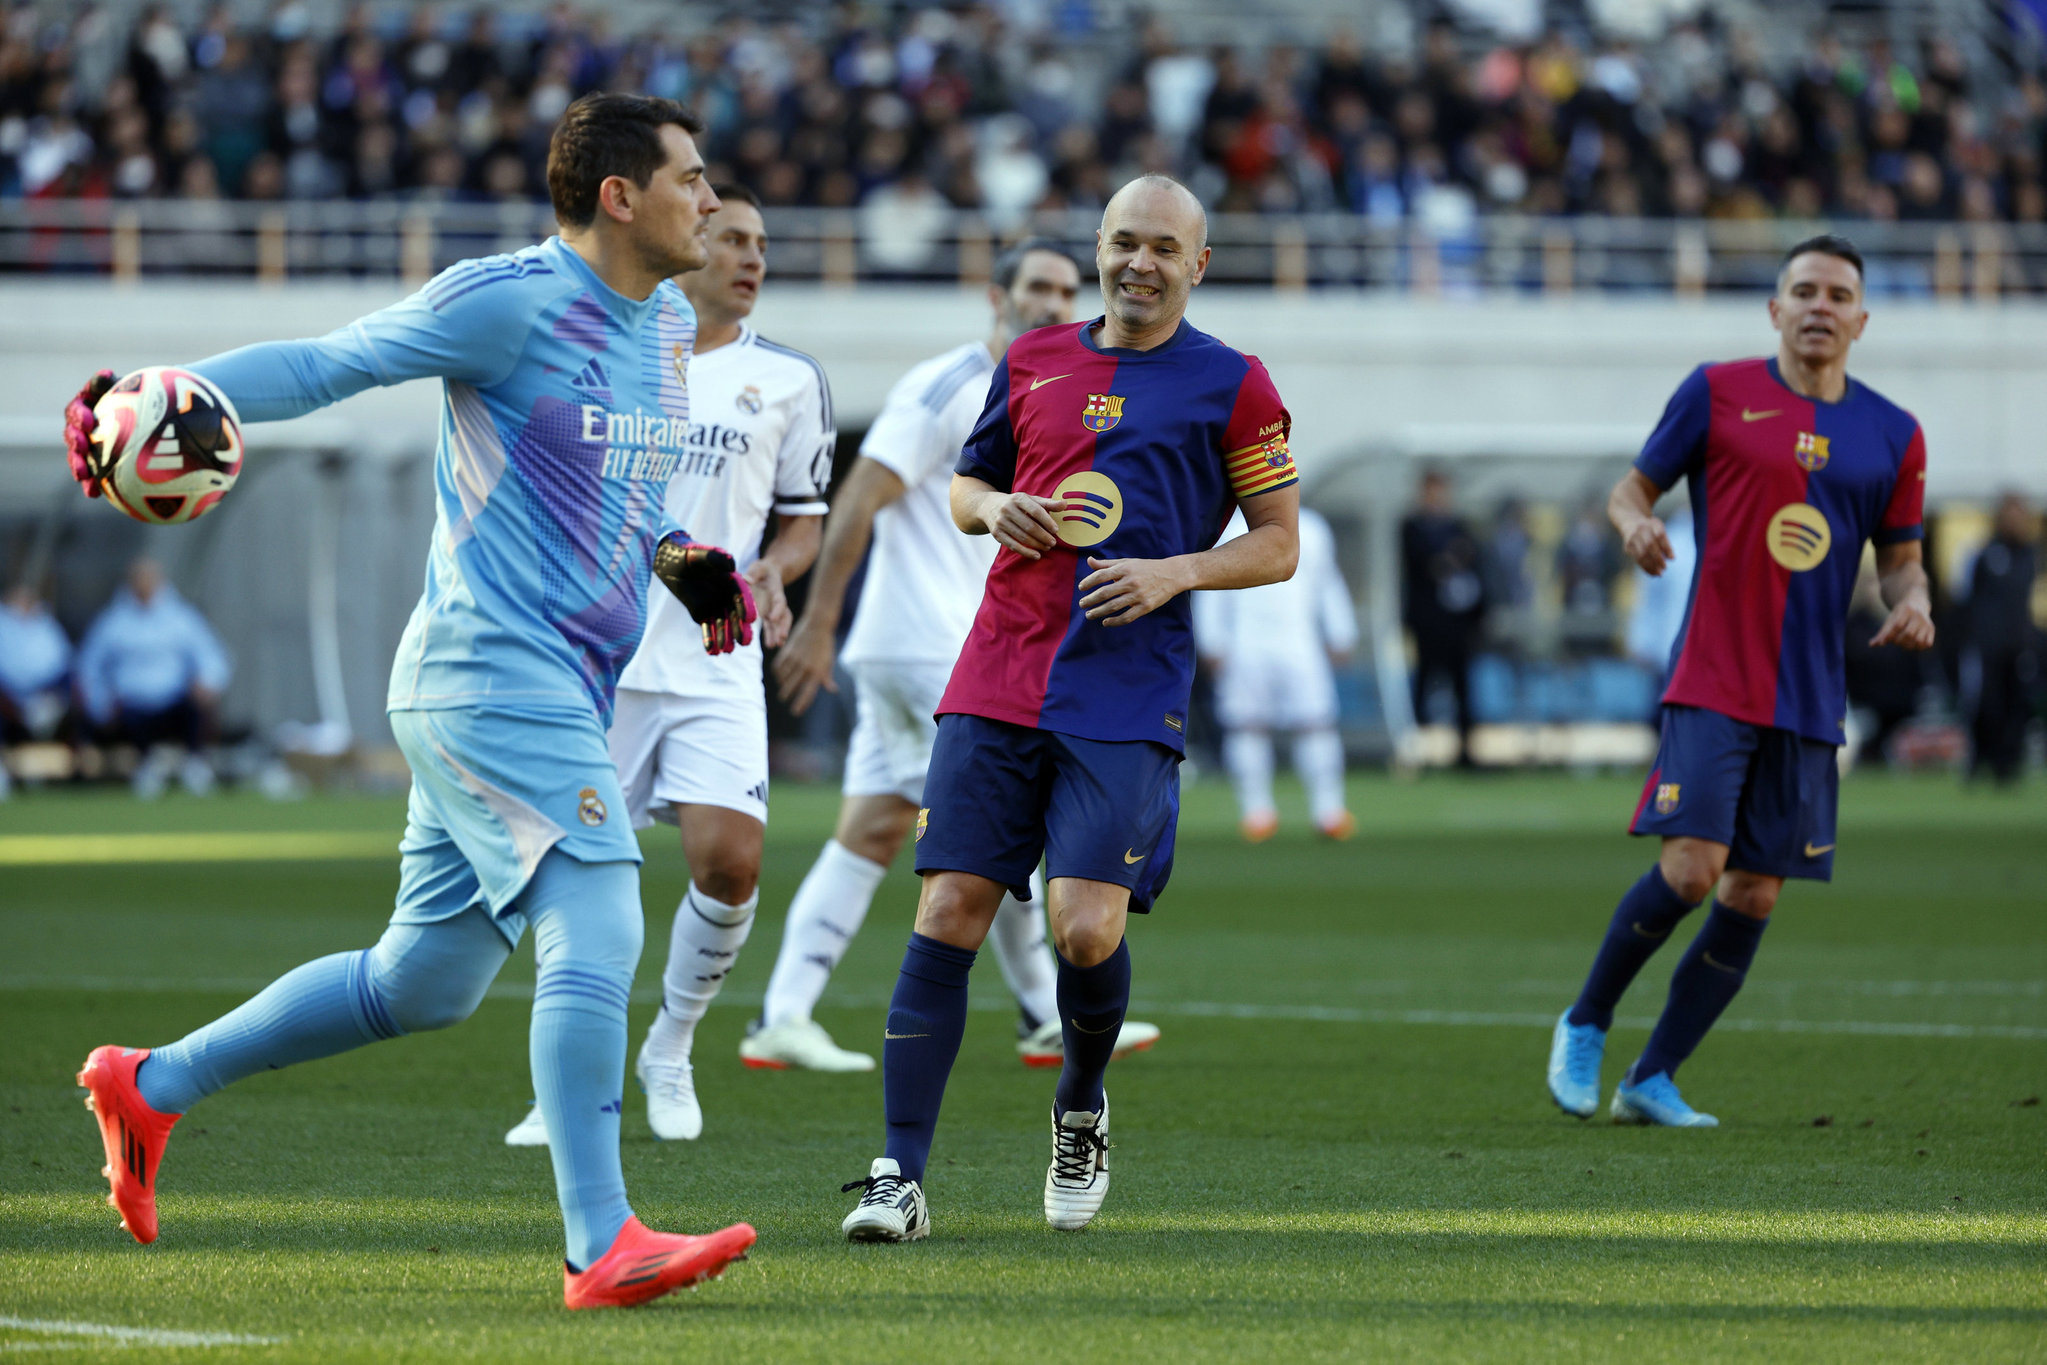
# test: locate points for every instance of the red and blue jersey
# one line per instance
(1785, 490)
(1157, 447)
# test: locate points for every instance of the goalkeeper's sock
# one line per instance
(1640, 924)
(829, 909)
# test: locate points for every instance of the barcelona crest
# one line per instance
(1103, 411)
(1666, 798)
(923, 821)
(1811, 452)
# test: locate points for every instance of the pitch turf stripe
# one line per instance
(131, 1336)
(44, 850)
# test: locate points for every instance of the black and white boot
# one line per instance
(890, 1210)
(1079, 1175)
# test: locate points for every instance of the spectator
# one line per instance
(150, 674)
(2000, 662)
(35, 664)
(1443, 601)
(1659, 610)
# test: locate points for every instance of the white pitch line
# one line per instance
(1191, 1009)
(127, 1336)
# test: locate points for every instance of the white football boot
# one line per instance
(1043, 1045)
(530, 1132)
(1078, 1178)
(891, 1209)
(800, 1043)
(672, 1109)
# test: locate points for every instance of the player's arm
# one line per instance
(1901, 577)
(1631, 507)
(805, 663)
(1021, 522)
(787, 559)
(1120, 591)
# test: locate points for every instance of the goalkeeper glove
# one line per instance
(79, 424)
(704, 580)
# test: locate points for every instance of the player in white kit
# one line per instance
(1270, 650)
(690, 731)
(922, 589)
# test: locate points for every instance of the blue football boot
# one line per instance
(1575, 1051)
(1656, 1101)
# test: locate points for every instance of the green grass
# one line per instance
(1341, 1149)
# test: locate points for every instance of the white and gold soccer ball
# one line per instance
(168, 445)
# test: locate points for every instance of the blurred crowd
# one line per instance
(142, 686)
(925, 107)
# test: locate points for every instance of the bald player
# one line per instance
(1106, 462)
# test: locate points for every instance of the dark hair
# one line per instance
(602, 135)
(1010, 262)
(732, 192)
(1826, 244)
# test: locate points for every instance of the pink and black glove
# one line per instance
(705, 580)
(79, 424)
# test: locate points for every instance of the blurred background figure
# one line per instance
(150, 674)
(1272, 649)
(2001, 658)
(1442, 601)
(35, 668)
(1658, 612)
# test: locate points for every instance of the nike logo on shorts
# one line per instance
(1812, 851)
(1130, 857)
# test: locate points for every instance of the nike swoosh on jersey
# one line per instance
(1812, 852)
(1137, 859)
(1748, 416)
(1037, 384)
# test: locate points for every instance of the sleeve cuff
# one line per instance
(815, 507)
(1898, 535)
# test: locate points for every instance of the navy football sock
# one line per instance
(1092, 1001)
(1707, 978)
(1643, 920)
(926, 1020)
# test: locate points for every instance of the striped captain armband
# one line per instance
(1261, 468)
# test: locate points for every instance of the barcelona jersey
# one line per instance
(1785, 491)
(1155, 448)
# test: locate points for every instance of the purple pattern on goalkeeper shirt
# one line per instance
(584, 323)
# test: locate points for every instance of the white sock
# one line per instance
(701, 950)
(1248, 756)
(828, 910)
(1318, 758)
(1023, 954)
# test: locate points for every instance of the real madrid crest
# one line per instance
(749, 399)
(590, 807)
(681, 366)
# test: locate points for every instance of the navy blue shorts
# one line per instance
(1770, 795)
(999, 796)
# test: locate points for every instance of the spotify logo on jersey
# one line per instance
(1799, 537)
(1098, 510)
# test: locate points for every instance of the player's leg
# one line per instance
(1247, 754)
(1689, 800)
(1027, 964)
(723, 847)
(1318, 758)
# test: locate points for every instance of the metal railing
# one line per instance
(393, 239)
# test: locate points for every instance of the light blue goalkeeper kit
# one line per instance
(565, 409)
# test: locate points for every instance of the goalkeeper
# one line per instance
(549, 491)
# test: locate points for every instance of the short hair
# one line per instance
(732, 192)
(1010, 263)
(1826, 244)
(602, 135)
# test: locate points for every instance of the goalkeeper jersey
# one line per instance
(565, 411)
(1156, 447)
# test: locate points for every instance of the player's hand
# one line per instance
(704, 580)
(79, 424)
(805, 663)
(772, 601)
(1120, 591)
(1908, 627)
(1026, 524)
(1648, 544)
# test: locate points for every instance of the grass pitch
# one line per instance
(1341, 1148)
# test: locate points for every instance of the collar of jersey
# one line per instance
(1087, 339)
(1847, 391)
(629, 312)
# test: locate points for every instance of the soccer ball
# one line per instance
(169, 445)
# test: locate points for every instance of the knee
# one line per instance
(955, 913)
(729, 875)
(1749, 895)
(1087, 940)
(874, 831)
(423, 1000)
(1692, 872)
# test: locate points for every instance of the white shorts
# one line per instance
(699, 751)
(1276, 692)
(893, 727)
